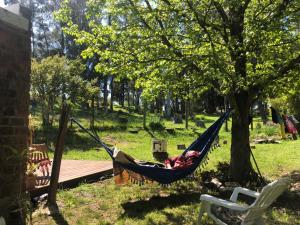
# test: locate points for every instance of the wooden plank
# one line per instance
(74, 172)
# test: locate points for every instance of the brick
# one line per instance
(17, 121)
(4, 121)
(21, 130)
(9, 111)
(6, 130)
(11, 93)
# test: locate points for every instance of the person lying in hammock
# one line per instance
(182, 161)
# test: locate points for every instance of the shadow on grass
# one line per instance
(291, 199)
(57, 216)
(139, 209)
(150, 132)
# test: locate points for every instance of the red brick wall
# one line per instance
(14, 109)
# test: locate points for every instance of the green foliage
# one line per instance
(56, 79)
(280, 103)
(271, 130)
(172, 47)
(258, 126)
(294, 102)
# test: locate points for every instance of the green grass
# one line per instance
(106, 203)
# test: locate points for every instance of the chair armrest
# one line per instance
(220, 202)
(245, 191)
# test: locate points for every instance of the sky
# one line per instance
(1, 3)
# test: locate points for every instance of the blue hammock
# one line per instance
(155, 172)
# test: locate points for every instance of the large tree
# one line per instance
(241, 48)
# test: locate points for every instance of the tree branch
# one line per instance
(222, 13)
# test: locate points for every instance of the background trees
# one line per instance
(56, 79)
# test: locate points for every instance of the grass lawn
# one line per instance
(105, 203)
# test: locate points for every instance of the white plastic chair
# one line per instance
(250, 214)
(2, 221)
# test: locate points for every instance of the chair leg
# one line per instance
(2, 221)
(260, 221)
(201, 212)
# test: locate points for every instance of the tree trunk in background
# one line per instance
(122, 93)
(112, 94)
(152, 107)
(168, 107)
(157, 105)
(128, 94)
(145, 115)
(62, 41)
(251, 118)
(176, 105)
(263, 110)
(105, 93)
(240, 165)
(186, 109)
(137, 101)
(92, 122)
(210, 102)
(225, 109)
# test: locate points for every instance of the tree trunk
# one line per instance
(112, 94)
(122, 93)
(263, 110)
(225, 109)
(145, 115)
(186, 107)
(128, 94)
(251, 118)
(210, 106)
(105, 94)
(240, 165)
(137, 100)
(168, 107)
(92, 122)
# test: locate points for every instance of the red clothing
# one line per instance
(290, 128)
(182, 162)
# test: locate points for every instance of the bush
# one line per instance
(271, 130)
(156, 126)
(258, 126)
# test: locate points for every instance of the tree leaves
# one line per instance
(176, 45)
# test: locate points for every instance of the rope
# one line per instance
(108, 150)
(261, 177)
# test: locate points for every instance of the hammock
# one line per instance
(143, 171)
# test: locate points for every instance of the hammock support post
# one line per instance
(58, 155)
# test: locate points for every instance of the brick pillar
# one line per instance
(14, 107)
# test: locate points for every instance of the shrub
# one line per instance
(271, 130)
(258, 126)
(156, 126)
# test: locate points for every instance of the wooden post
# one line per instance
(58, 154)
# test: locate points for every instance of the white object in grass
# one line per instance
(252, 214)
(2, 221)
